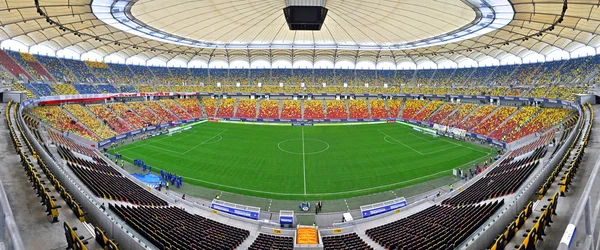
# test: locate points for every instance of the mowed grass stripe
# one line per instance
(340, 161)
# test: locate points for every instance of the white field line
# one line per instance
(400, 142)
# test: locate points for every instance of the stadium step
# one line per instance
(302, 109)
(279, 108)
(387, 108)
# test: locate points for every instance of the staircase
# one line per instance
(525, 123)
(79, 122)
(118, 117)
(324, 108)
(420, 110)
(280, 107)
(257, 109)
(204, 115)
(217, 105)
(368, 109)
(302, 109)
(451, 113)
(347, 109)
(401, 110)
(502, 123)
(235, 107)
(182, 109)
(387, 108)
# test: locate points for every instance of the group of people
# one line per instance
(172, 178)
(142, 164)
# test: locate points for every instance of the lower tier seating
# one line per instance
(191, 106)
(269, 109)
(437, 227)
(346, 241)
(210, 105)
(336, 109)
(493, 186)
(313, 109)
(378, 110)
(291, 109)
(112, 187)
(268, 242)
(174, 228)
(226, 108)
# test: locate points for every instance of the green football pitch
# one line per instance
(320, 162)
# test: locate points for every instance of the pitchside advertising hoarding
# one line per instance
(147, 129)
(235, 209)
(383, 207)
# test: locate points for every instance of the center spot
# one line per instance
(311, 146)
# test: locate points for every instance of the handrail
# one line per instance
(14, 237)
(583, 206)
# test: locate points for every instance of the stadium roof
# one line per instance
(393, 30)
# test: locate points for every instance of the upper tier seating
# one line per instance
(44, 89)
(9, 64)
(80, 70)
(191, 106)
(19, 58)
(174, 228)
(109, 118)
(437, 227)
(313, 109)
(291, 109)
(65, 89)
(176, 109)
(412, 107)
(101, 70)
(141, 74)
(267, 242)
(210, 106)
(86, 89)
(56, 68)
(56, 117)
(20, 87)
(246, 108)
(86, 118)
(127, 89)
(106, 89)
(226, 108)
(378, 110)
(269, 109)
(122, 73)
(346, 241)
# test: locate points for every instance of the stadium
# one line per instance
(299, 124)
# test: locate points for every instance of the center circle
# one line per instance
(311, 146)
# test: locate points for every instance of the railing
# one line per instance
(584, 210)
(10, 236)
